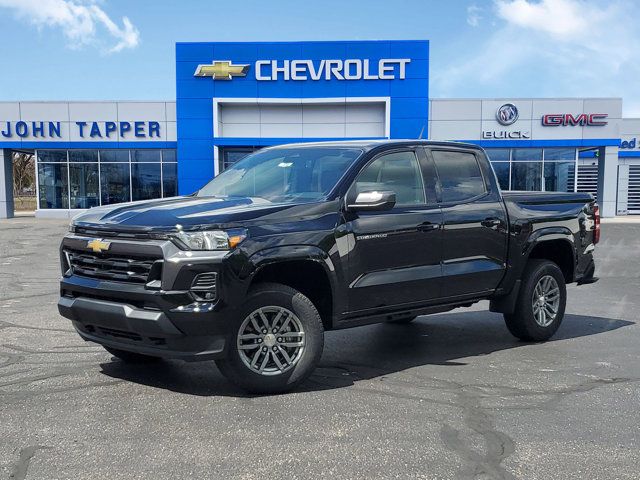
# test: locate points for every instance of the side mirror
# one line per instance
(369, 201)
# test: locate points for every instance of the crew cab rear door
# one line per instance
(395, 255)
(474, 233)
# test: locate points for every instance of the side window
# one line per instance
(460, 175)
(396, 172)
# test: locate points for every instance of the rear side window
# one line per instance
(460, 175)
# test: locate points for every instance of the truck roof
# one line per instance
(370, 144)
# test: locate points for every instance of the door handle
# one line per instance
(428, 226)
(491, 222)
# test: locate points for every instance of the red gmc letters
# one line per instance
(567, 119)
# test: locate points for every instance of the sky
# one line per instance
(125, 49)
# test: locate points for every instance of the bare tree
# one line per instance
(24, 174)
(24, 181)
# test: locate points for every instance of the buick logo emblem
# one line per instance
(507, 114)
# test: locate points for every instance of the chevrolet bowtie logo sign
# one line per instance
(221, 70)
(98, 246)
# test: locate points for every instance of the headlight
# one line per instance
(210, 239)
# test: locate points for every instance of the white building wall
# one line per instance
(628, 181)
(67, 113)
(608, 182)
(301, 118)
(630, 131)
(467, 119)
(475, 120)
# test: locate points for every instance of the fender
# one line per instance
(507, 293)
(553, 233)
(547, 234)
(288, 253)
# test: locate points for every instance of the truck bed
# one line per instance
(542, 198)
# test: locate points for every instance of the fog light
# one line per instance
(204, 287)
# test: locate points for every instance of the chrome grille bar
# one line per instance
(110, 267)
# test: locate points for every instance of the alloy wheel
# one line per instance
(271, 340)
(545, 301)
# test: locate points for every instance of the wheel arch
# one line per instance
(556, 245)
(307, 269)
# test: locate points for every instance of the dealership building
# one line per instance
(234, 98)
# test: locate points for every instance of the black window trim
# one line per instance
(441, 203)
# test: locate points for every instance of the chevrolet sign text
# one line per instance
(351, 69)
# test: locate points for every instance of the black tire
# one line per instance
(522, 323)
(131, 357)
(274, 295)
(404, 320)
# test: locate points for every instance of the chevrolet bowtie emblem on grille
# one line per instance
(221, 70)
(98, 245)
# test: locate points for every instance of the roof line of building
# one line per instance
(87, 101)
(524, 98)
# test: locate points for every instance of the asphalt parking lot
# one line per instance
(450, 396)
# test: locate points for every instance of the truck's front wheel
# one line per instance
(540, 304)
(276, 341)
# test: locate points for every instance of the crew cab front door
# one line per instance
(394, 257)
(474, 233)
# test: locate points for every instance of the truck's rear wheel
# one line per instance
(131, 357)
(276, 341)
(541, 302)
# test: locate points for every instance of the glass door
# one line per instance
(231, 155)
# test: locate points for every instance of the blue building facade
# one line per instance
(235, 97)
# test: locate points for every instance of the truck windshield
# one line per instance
(284, 175)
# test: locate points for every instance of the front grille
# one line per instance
(112, 332)
(111, 267)
(123, 335)
(93, 232)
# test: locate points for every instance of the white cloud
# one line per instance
(82, 22)
(474, 15)
(561, 18)
(551, 48)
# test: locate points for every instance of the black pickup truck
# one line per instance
(298, 239)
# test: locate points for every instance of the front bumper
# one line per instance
(159, 318)
(124, 327)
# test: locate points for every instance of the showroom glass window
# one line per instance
(145, 174)
(501, 161)
(169, 173)
(526, 169)
(232, 155)
(87, 178)
(53, 179)
(115, 176)
(549, 169)
(83, 179)
(559, 169)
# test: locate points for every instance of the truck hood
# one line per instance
(188, 212)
